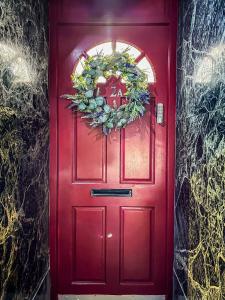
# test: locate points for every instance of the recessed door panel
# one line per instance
(89, 160)
(137, 151)
(88, 244)
(136, 244)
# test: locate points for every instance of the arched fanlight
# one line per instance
(107, 49)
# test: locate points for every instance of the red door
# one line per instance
(109, 244)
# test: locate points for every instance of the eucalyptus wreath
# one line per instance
(94, 107)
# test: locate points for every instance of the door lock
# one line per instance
(159, 113)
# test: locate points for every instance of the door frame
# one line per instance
(53, 169)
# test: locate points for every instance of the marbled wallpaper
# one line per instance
(199, 266)
(23, 147)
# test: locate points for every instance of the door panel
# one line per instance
(112, 245)
(137, 141)
(85, 168)
(88, 244)
(136, 244)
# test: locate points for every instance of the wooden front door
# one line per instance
(110, 244)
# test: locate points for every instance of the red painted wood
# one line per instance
(88, 233)
(171, 148)
(97, 11)
(112, 245)
(136, 261)
(138, 141)
(85, 168)
(148, 194)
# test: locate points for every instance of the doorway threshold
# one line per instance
(111, 297)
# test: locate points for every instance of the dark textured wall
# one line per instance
(23, 147)
(199, 267)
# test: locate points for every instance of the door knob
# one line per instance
(109, 235)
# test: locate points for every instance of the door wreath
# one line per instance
(94, 107)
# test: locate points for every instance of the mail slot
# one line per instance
(111, 192)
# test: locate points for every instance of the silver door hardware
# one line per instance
(109, 235)
(159, 113)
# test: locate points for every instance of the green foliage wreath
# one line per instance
(95, 107)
